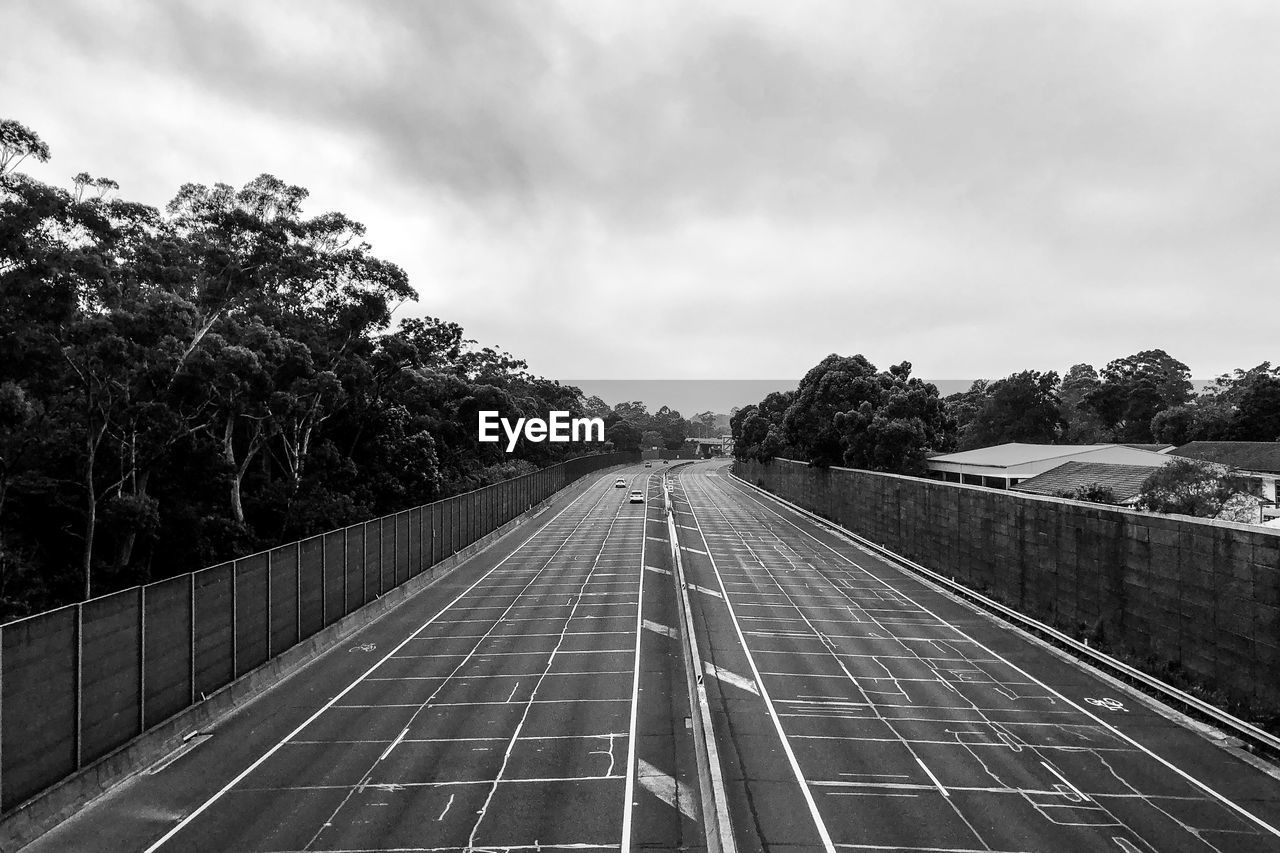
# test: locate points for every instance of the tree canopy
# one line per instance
(181, 386)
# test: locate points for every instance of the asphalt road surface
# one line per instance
(535, 699)
(858, 708)
(533, 711)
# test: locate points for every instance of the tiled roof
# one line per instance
(1248, 455)
(1124, 481)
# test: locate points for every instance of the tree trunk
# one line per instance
(125, 553)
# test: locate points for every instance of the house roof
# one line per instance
(1124, 481)
(1154, 448)
(1261, 456)
(1014, 453)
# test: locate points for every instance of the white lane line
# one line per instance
(446, 807)
(847, 537)
(666, 788)
(394, 744)
(704, 590)
(932, 778)
(656, 569)
(658, 628)
(641, 623)
(729, 677)
(1074, 789)
(178, 827)
(694, 550)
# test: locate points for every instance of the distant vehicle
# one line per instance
(620, 483)
(648, 464)
(664, 462)
(637, 496)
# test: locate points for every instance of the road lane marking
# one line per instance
(641, 623)
(665, 788)
(729, 677)
(164, 839)
(394, 744)
(805, 791)
(847, 537)
(705, 591)
(693, 550)
(656, 569)
(933, 778)
(663, 630)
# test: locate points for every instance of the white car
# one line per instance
(637, 496)
(620, 483)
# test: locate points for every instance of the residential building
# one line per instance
(1258, 460)
(1007, 465)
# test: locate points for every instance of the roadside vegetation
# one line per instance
(185, 385)
(846, 412)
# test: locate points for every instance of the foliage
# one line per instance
(846, 412)
(1190, 487)
(1023, 407)
(1134, 389)
(1094, 492)
(178, 387)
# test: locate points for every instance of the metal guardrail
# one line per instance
(1242, 729)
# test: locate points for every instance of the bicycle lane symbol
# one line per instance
(1108, 703)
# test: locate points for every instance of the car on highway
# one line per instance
(648, 464)
(637, 496)
(620, 483)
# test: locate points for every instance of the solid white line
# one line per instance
(847, 536)
(629, 795)
(164, 839)
(394, 744)
(933, 778)
(1074, 789)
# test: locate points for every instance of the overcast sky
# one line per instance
(725, 190)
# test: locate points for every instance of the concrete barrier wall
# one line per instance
(1197, 595)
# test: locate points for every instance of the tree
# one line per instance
(1022, 407)
(896, 429)
(836, 384)
(1082, 424)
(17, 143)
(1257, 410)
(623, 435)
(845, 411)
(1191, 487)
(1135, 389)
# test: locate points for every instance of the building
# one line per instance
(1123, 481)
(1007, 465)
(1258, 460)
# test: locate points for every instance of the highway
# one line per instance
(536, 699)
(859, 708)
(533, 711)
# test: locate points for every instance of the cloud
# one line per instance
(729, 188)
